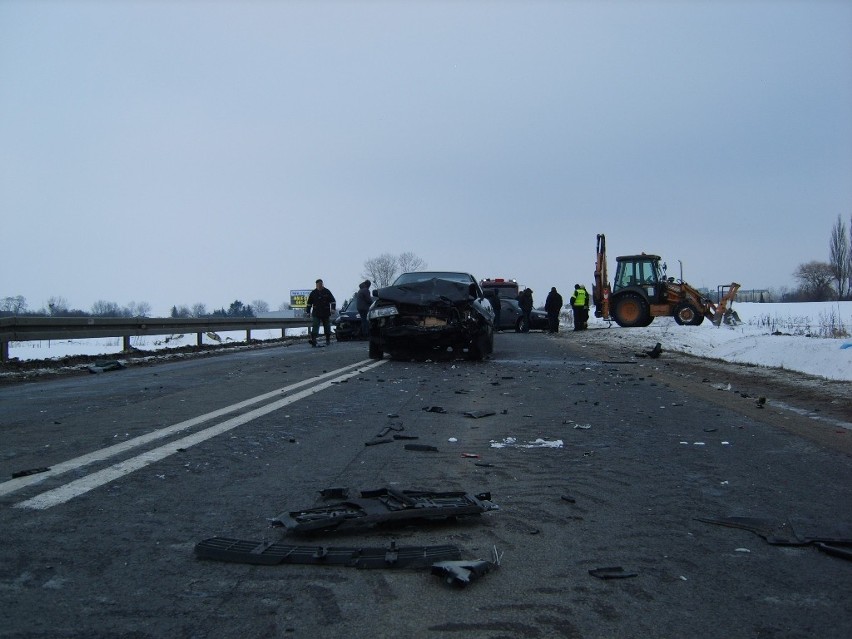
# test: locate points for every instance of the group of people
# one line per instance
(321, 305)
(553, 306)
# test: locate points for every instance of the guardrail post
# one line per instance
(4, 351)
(125, 343)
(248, 335)
(198, 339)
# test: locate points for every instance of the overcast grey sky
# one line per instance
(199, 151)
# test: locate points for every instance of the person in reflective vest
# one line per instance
(580, 307)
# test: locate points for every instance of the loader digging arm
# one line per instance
(601, 289)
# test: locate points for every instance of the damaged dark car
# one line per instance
(431, 314)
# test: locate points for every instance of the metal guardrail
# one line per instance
(24, 329)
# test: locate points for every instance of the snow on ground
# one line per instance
(813, 338)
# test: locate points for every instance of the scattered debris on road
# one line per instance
(477, 414)
(384, 506)
(612, 572)
(271, 553)
(834, 539)
(104, 367)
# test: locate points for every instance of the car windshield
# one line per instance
(347, 304)
(422, 276)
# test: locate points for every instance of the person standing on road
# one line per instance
(320, 305)
(580, 307)
(525, 301)
(553, 304)
(362, 303)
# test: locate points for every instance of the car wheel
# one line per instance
(375, 350)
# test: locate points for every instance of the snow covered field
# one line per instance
(815, 338)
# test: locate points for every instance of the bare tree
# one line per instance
(408, 262)
(137, 309)
(102, 308)
(849, 262)
(15, 305)
(198, 310)
(57, 305)
(839, 256)
(260, 306)
(381, 270)
(815, 280)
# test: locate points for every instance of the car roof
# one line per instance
(420, 276)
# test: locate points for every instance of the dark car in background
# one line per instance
(512, 317)
(347, 326)
(431, 314)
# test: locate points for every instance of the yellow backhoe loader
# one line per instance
(641, 291)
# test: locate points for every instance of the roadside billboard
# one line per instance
(299, 298)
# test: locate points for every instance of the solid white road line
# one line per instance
(105, 453)
(85, 484)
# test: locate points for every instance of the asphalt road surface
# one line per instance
(595, 459)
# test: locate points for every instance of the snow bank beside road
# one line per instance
(753, 341)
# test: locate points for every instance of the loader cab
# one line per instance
(641, 273)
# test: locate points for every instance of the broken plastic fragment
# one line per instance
(374, 442)
(476, 414)
(421, 447)
(611, 572)
(434, 409)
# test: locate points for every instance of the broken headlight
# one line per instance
(382, 311)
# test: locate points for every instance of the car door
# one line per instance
(509, 314)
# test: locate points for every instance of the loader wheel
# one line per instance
(686, 314)
(631, 310)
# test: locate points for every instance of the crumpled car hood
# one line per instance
(427, 293)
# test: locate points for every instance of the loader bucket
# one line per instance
(721, 310)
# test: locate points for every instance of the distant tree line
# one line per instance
(59, 307)
(236, 309)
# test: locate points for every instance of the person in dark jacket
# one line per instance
(553, 305)
(320, 305)
(525, 301)
(363, 301)
(580, 307)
